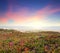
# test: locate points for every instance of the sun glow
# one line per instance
(35, 23)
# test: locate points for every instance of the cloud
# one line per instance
(53, 11)
(47, 11)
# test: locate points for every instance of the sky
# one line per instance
(30, 14)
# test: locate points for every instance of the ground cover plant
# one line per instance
(13, 41)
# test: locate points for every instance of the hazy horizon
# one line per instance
(28, 28)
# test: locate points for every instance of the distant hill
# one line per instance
(16, 32)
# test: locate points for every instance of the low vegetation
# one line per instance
(12, 41)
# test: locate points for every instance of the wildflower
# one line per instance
(26, 50)
(46, 47)
(19, 50)
(10, 44)
(22, 43)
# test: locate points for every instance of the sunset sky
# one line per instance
(30, 14)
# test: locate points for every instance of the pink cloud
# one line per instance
(53, 11)
(47, 11)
